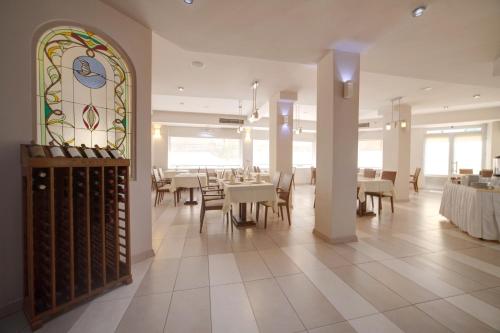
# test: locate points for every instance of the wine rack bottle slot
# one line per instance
(42, 240)
(80, 253)
(62, 233)
(96, 235)
(76, 228)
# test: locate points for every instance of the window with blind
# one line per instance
(260, 153)
(303, 154)
(467, 153)
(370, 154)
(186, 152)
(437, 156)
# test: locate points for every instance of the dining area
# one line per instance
(242, 195)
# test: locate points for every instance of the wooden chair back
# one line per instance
(160, 172)
(157, 176)
(465, 171)
(389, 175)
(258, 169)
(285, 186)
(369, 173)
(276, 179)
(417, 173)
(486, 173)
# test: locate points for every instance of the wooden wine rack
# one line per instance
(76, 230)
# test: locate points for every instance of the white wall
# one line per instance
(20, 20)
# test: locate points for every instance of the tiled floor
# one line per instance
(411, 271)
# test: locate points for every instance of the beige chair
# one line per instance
(369, 173)
(211, 199)
(212, 177)
(414, 179)
(161, 189)
(284, 190)
(313, 175)
(387, 175)
(465, 171)
(487, 173)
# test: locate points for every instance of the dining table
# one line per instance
(190, 181)
(243, 192)
(376, 185)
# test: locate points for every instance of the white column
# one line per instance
(337, 147)
(397, 147)
(281, 131)
(492, 143)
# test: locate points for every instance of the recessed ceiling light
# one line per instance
(180, 88)
(476, 96)
(197, 64)
(181, 103)
(419, 11)
(445, 107)
(427, 88)
(189, 2)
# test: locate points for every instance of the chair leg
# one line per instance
(281, 211)
(392, 204)
(379, 204)
(373, 206)
(251, 207)
(257, 206)
(288, 214)
(265, 218)
(202, 217)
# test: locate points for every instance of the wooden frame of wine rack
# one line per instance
(76, 230)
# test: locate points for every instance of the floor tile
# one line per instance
(490, 296)
(425, 279)
(223, 269)
(412, 320)
(101, 317)
(326, 255)
(159, 278)
(312, 307)
(170, 248)
(343, 327)
(373, 291)
(453, 318)
(377, 323)
(272, 311)
(404, 287)
(193, 273)
(189, 312)
(278, 262)
(231, 310)
(252, 266)
(145, 314)
(303, 258)
(476, 263)
(350, 254)
(195, 246)
(370, 251)
(345, 300)
(483, 311)
(219, 243)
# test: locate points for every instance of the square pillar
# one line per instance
(397, 147)
(337, 147)
(281, 131)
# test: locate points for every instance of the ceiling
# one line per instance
(451, 49)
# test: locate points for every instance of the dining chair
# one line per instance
(313, 175)
(414, 179)
(284, 190)
(293, 179)
(369, 173)
(386, 175)
(487, 173)
(211, 200)
(161, 190)
(212, 177)
(465, 171)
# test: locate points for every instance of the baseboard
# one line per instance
(336, 240)
(11, 308)
(143, 256)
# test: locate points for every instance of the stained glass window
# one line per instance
(84, 91)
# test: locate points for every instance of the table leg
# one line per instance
(191, 200)
(362, 209)
(242, 220)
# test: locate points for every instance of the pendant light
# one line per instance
(240, 112)
(388, 125)
(255, 110)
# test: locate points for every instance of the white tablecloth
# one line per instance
(374, 185)
(264, 176)
(189, 180)
(475, 211)
(248, 192)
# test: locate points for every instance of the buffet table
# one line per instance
(475, 211)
